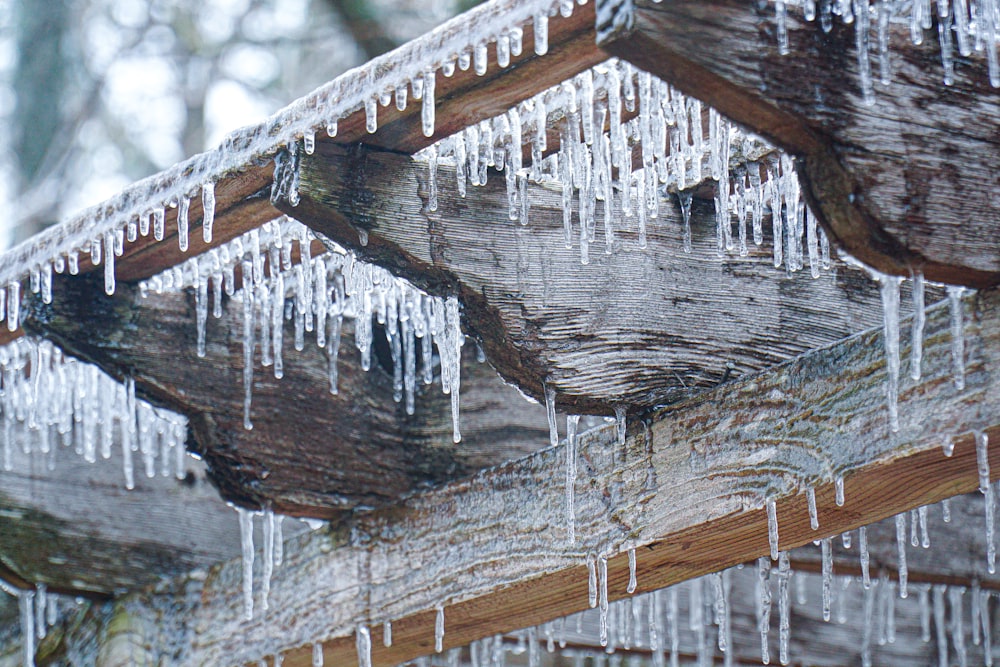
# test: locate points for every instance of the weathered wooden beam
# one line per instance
(641, 327)
(902, 184)
(72, 525)
(687, 490)
(309, 453)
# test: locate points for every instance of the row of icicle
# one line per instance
(963, 28)
(317, 293)
(652, 621)
(666, 131)
(50, 402)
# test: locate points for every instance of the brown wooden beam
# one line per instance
(687, 490)
(902, 185)
(640, 327)
(310, 453)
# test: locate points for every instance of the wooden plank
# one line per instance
(309, 453)
(687, 490)
(639, 327)
(882, 178)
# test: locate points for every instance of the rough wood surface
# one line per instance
(903, 185)
(640, 327)
(309, 453)
(78, 530)
(687, 490)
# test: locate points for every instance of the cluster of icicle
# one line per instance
(50, 402)
(665, 130)
(971, 27)
(889, 289)
(102, 232)
(316, 294)
(38, 611)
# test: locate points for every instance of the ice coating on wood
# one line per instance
(772, 527)
(52, 400)
(322, 290)
(811, 502)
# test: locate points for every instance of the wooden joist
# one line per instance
(687, 490)
(310, 453)
(904, 184)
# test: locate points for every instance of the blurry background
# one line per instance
(95, 94)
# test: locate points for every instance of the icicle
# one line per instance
(957, 335)
(784, 607)
(109, 263)
(439, 630)
(317, 660)
(363, 643)
(946, 510)
(827, 566)
(772, 528)
(861, 32)
(845, 539)
(248, 342)
(13, 305)
(550, 411)
(919, 318)
(246, 542)
(901, 552)
(811, 502)
(889, 287)
(428, 103)
(974, 616)
(983, 462)
(866, 579)
(781, 14)
(925, 538)
(41, 601)
(838, 485)
(25, 603)
(764, 606)
(685, 201)
(571, 425)
(957, 629)
(942, 637)
(268, 558)
(201, 309)
(631, 572)
(371, 115)
(208, 206)
(985, 620)
(541, 25)
(592, 580)
(602, 584)
(182, 223)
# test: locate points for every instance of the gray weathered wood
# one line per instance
(687, 491)
(309, 453)
(903, 185)
(641, 327)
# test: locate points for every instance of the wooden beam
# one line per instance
(882, 178)
(687, 490)
(596, 332)
(77, 530)
(309, 453)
